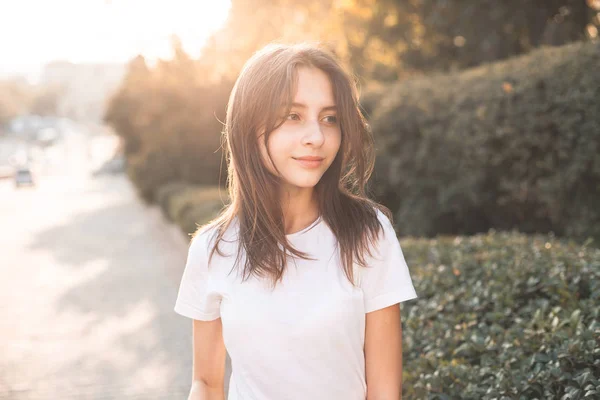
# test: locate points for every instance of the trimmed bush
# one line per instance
(169, 117)
(165, 193)
(199, 214)
(149, 172)
(509, 145)
(502, 316)
(190, 206)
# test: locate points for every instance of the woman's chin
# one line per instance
(302, 183)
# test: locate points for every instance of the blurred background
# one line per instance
(486, 117)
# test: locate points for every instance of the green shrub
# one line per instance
(169, 117)
(191, 206)
(199, 214)
(509, 145)
(148, 172)
(165, 193)
(502, 316)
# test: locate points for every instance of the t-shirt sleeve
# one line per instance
(386, 280)
(197, 297)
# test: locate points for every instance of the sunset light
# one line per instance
(34, 32)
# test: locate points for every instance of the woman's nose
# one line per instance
(313, 133)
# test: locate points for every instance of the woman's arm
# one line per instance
(383, 354)
(209, 355)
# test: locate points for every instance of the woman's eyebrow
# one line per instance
(328, 108)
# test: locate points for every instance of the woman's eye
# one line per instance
(331, 119)
(293, 117)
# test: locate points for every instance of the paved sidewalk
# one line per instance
(88, 280)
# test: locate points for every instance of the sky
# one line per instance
(35, 32)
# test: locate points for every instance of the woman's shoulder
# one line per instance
(210, 230)
(383, 218)
(206, 236)
(387, 233)
(381, 215)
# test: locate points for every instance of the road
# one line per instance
(88, 280)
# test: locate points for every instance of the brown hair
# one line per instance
(266, 83)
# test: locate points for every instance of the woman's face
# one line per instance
(310, 132)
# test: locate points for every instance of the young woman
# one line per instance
(300, 277)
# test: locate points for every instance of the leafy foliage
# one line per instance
(502, 315)
(190, 206)
(390, 39)
(512, 144)
(169, 118)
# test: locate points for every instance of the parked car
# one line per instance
(24, 177)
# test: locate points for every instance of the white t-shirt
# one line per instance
(304, 339)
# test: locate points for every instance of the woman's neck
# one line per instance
(300, 209)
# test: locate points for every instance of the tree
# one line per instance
(389, 39)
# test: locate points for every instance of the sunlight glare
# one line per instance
(34, 32)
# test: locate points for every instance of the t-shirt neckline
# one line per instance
(300, 232)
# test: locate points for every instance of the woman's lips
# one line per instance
(309, 162)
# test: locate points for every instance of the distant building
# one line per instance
(86, 87)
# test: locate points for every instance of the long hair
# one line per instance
(267, 82)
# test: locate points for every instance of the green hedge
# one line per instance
(502, 316)
(150, 172)
(509, 145)
(189, 206)
(165, 193)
